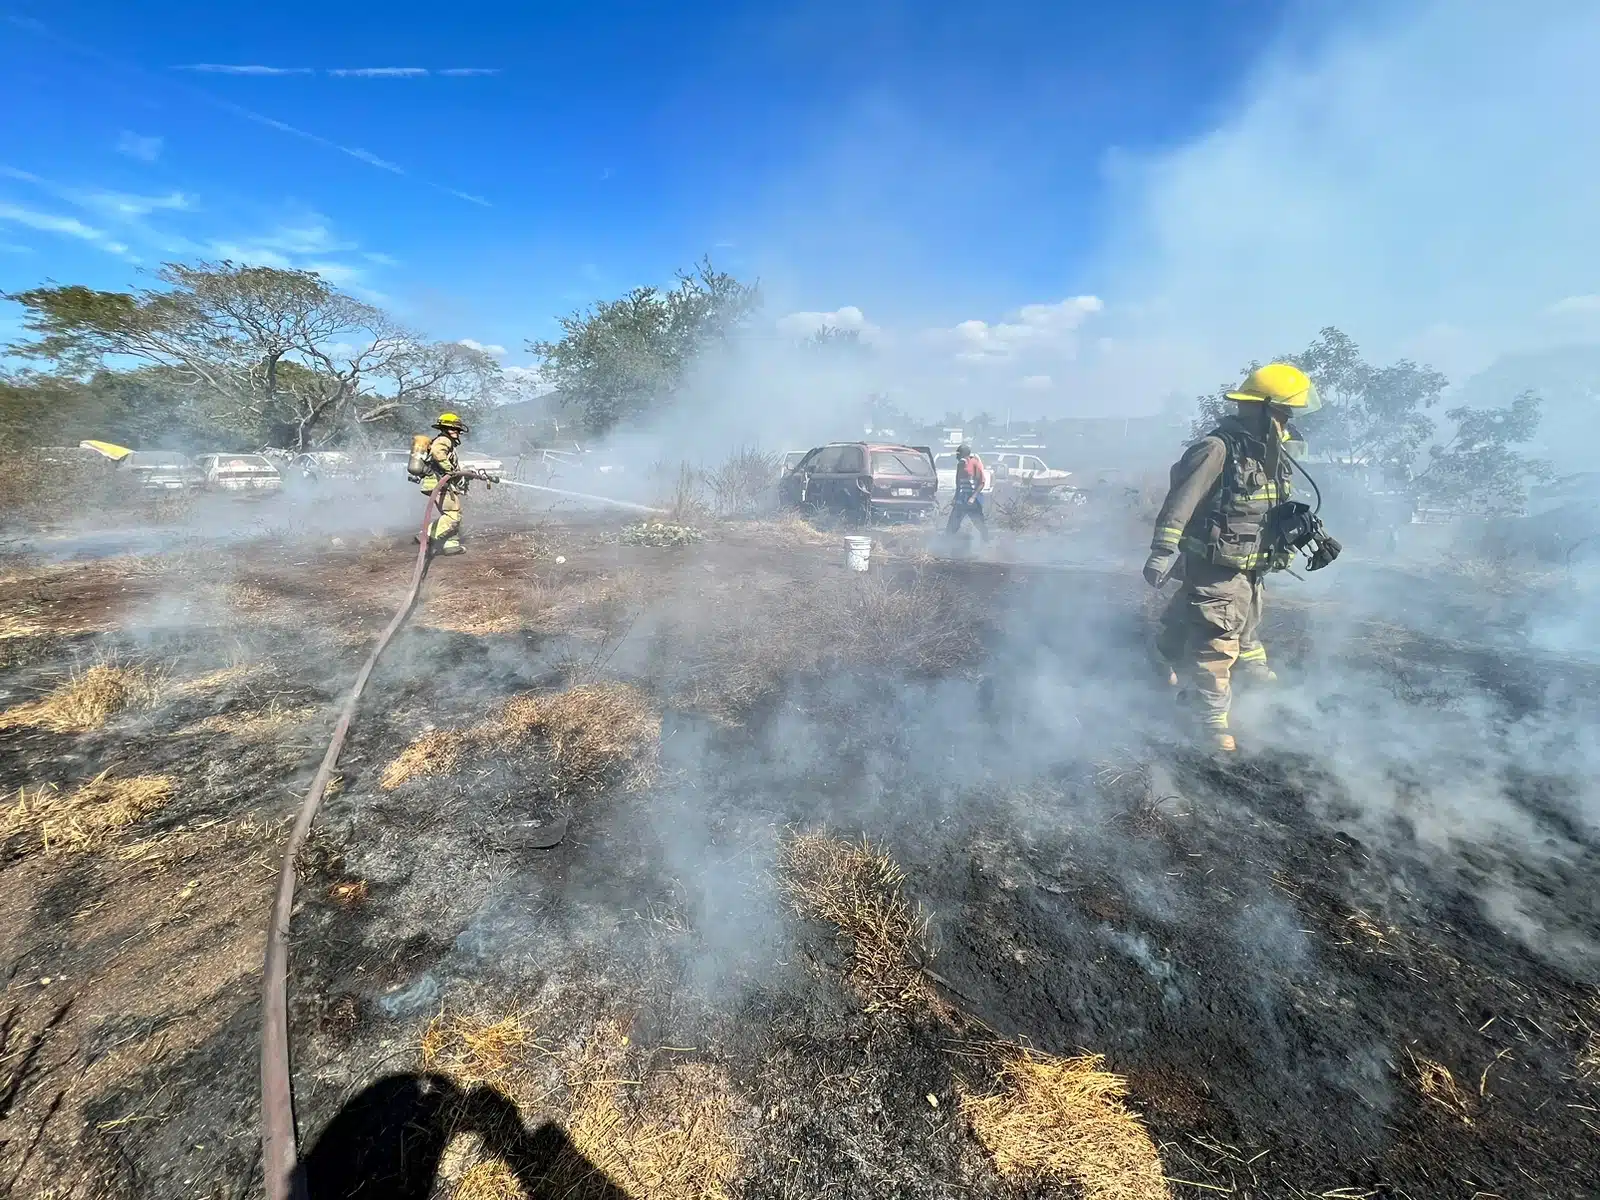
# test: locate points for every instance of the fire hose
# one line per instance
(279, 1150)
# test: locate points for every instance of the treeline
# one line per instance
(227, 355)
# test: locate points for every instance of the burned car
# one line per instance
(863, 481)
(242, 474)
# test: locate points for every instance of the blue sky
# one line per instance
(849, 152)
(1046, 186)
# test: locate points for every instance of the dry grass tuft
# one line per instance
(87, 817)
(1065, 1120)
(474, 1050)
(86, 701)
(1589, 1055)
(488, 1179)
(668, 1134)
(856, 887)
(597, 734)
(213, 680)
(349, 894)
(476, 611)
(258, 723)
(437, 752)
(675, 1141)
(1436, 1083)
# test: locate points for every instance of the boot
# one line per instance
(1221, 741)
(452, 547)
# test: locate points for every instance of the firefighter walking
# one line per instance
(1214, 530)
(970, 482)
(442, 460)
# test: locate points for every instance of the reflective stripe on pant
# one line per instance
(1211, 624)
(446, 526)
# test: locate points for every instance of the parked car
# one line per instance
(865, 481)
(245, 473)
(471, 460)
(1029, 467)
(162, 470)
(945, 465)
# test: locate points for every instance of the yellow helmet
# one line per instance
(450, 423)
(1281, 384)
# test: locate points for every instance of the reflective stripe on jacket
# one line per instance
(1220, 496)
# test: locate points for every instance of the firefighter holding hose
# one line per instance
(1217, 529)
(440, 467)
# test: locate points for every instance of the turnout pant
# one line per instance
(446, 527)
(1211, 626)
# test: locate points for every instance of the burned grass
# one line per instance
(87, 700)
(594, 735)
(274, 719)
(86, 817)
(857, 888)
(1066, 1121)
(741, 642)
(1438, 1085)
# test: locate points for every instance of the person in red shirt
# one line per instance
(971, 479)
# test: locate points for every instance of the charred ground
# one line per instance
(1309, 992)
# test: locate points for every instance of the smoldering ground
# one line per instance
(1388, 881)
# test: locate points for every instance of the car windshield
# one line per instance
(241, 462)
(901, 462)
(147, 459)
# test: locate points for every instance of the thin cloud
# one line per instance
(365, 156)
(122, 204)
(458, 71)
(12, 214)
(490, 348)
(145, 149)
(242, 69)
(379, 72)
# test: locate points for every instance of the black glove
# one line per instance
(1158, 567)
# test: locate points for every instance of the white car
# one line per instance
(1029, 467)
(945, 466)
(253, 473)
(471, 461)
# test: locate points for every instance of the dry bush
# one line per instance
(1020, 512)
(86, 817)
(856, 887)
(1065, 1120)
(596, 734)
(86, 701)
(681, 491)
(437, 752)
(1437, 1084)
(745, 484)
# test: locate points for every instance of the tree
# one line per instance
(621, 359)
(1369, 415)
(1377, 417)
(259, 347)
(1478, 470)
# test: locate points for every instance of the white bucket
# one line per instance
(857, 550)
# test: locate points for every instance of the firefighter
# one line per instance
(445, 532)
(970, 481)
(1213, 529)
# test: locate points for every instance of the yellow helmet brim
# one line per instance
(1307, 401)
